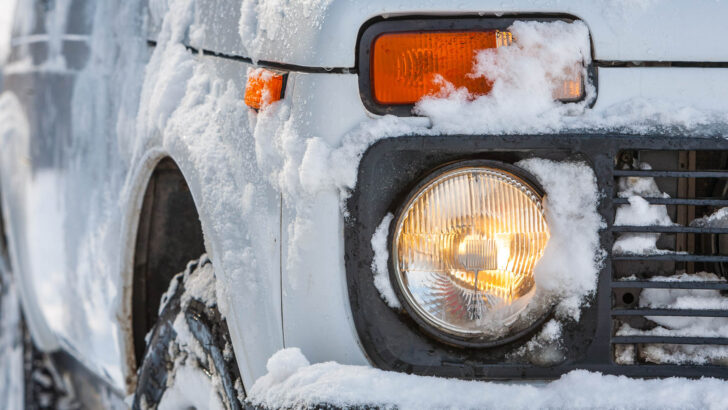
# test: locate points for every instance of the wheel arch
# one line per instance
(163, 233)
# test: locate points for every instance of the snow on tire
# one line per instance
(189, 360)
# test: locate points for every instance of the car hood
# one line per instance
(324, 33)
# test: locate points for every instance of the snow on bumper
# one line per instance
(292, 382)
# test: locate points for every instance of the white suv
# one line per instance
(484, 190)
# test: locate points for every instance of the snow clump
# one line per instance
(545, 348)
(380, 263)
(524, 76)
(573, 256)
(718, 219)
(281, 366)
(639, 212)
(308, 386)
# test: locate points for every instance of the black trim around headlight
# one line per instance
(392, 340)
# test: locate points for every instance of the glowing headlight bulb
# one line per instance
(465, 246)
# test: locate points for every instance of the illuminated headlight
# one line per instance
(464, 248)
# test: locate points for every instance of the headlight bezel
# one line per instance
(415, 312)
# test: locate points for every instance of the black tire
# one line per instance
(165, 354)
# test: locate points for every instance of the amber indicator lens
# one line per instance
(405, 66)
(263, 87)
(465, 247)
(571, 89)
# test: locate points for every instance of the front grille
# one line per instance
(692, 172)
(689, 261)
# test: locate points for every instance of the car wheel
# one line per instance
(189, 360)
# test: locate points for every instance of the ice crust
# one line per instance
(308, 385)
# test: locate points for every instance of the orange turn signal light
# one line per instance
(404, 66)
(263, 87)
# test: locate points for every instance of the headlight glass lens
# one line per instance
(464, 250)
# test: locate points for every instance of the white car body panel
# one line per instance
(665, 30)
(303, 303)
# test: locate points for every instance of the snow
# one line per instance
(682, 353)
(683, 325)
(639, 212)
(524, 78)
(689, 277)
(568, 270)
(281, 366)
(190, 385)
(380, 264)
(290, 24)
(683, 299)
(718, 219)
(544, 349)
(343, 386)
(201, 285)
(191, 388)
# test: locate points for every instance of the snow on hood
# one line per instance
(323, 33)
(292, 383)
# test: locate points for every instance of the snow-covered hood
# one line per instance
(323, 33)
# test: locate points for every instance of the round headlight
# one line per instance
(464, 248)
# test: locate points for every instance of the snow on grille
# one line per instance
(670, 258)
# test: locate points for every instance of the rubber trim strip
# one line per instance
(269, 64)
(353, 70)
(679, 64)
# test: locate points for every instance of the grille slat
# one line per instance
(677, 257)
(687, 340)
(684, 267)
(677, 201)
(669, 174)
(671, 312)
(649, 284)
(668, 229)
